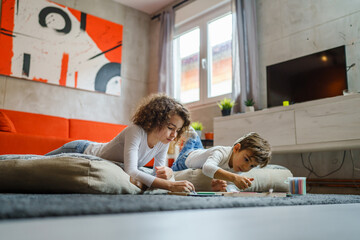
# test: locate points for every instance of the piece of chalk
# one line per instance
(206, 193)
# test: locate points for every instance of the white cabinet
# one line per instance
(277, 127)
(326, 124)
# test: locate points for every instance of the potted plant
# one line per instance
(249, 105)
(198, 127)
(226, 105)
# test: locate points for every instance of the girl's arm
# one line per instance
(159, 169)
(177, 186)
(134, 136)
(164, 173)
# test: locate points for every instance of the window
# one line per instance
(202, 58)
(187, 68)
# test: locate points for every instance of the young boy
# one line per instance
(222, 163)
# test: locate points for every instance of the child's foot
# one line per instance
(218, 185)
(190, 133)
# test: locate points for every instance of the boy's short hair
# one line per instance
(260, 148)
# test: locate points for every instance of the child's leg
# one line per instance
(77, 146)
(191, 144)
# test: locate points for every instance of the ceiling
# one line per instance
(147, 6)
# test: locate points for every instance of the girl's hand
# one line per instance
(182, 186)
(138, 183)
(242, 182)
(164, 172)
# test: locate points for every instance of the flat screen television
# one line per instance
(315, 76)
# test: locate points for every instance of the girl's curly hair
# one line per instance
(156, 110)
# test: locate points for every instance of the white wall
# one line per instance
(36, 97)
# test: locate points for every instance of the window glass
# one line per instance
(186, 60)
(219, 56)
(202, 54)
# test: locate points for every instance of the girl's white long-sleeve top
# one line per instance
(131, 148)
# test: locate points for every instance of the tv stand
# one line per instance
(321, 125)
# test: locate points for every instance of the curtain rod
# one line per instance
(175, 6)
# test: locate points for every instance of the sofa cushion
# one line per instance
(39, 124)
(64, 173)
(94, 131)
(269, 177)
(19, 143)
(6, 125)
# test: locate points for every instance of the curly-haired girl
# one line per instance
(156, 122)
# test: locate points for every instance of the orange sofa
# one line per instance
(30, 133)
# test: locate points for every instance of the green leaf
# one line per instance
(197, 126)
(249, 102)
(226, 103)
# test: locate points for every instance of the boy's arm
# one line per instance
(240, 181)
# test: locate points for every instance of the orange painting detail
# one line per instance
(76, 79)
(64, 69)
(49, 42)
(6, 46)
(99, 31)
(40, 80)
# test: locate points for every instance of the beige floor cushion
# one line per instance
(65, 173)
(270, 177)
(79, 173)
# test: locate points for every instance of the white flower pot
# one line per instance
(249, 109)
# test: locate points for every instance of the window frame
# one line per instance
(202, 21)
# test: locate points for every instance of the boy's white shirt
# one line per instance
(130, 147)
(210, 160)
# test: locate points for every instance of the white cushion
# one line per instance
(272, 176)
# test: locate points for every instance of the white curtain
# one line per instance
(167, 20)
(245, 54)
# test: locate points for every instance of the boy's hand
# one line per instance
(164, 172)
(242, 182)
(218, 185)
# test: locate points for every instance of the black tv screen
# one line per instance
(315, 76)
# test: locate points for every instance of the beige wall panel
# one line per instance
(136, 40)
(154, 56)
(2, 90)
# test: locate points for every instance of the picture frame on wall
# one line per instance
(48, 42)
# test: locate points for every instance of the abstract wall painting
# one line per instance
(44, 41)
